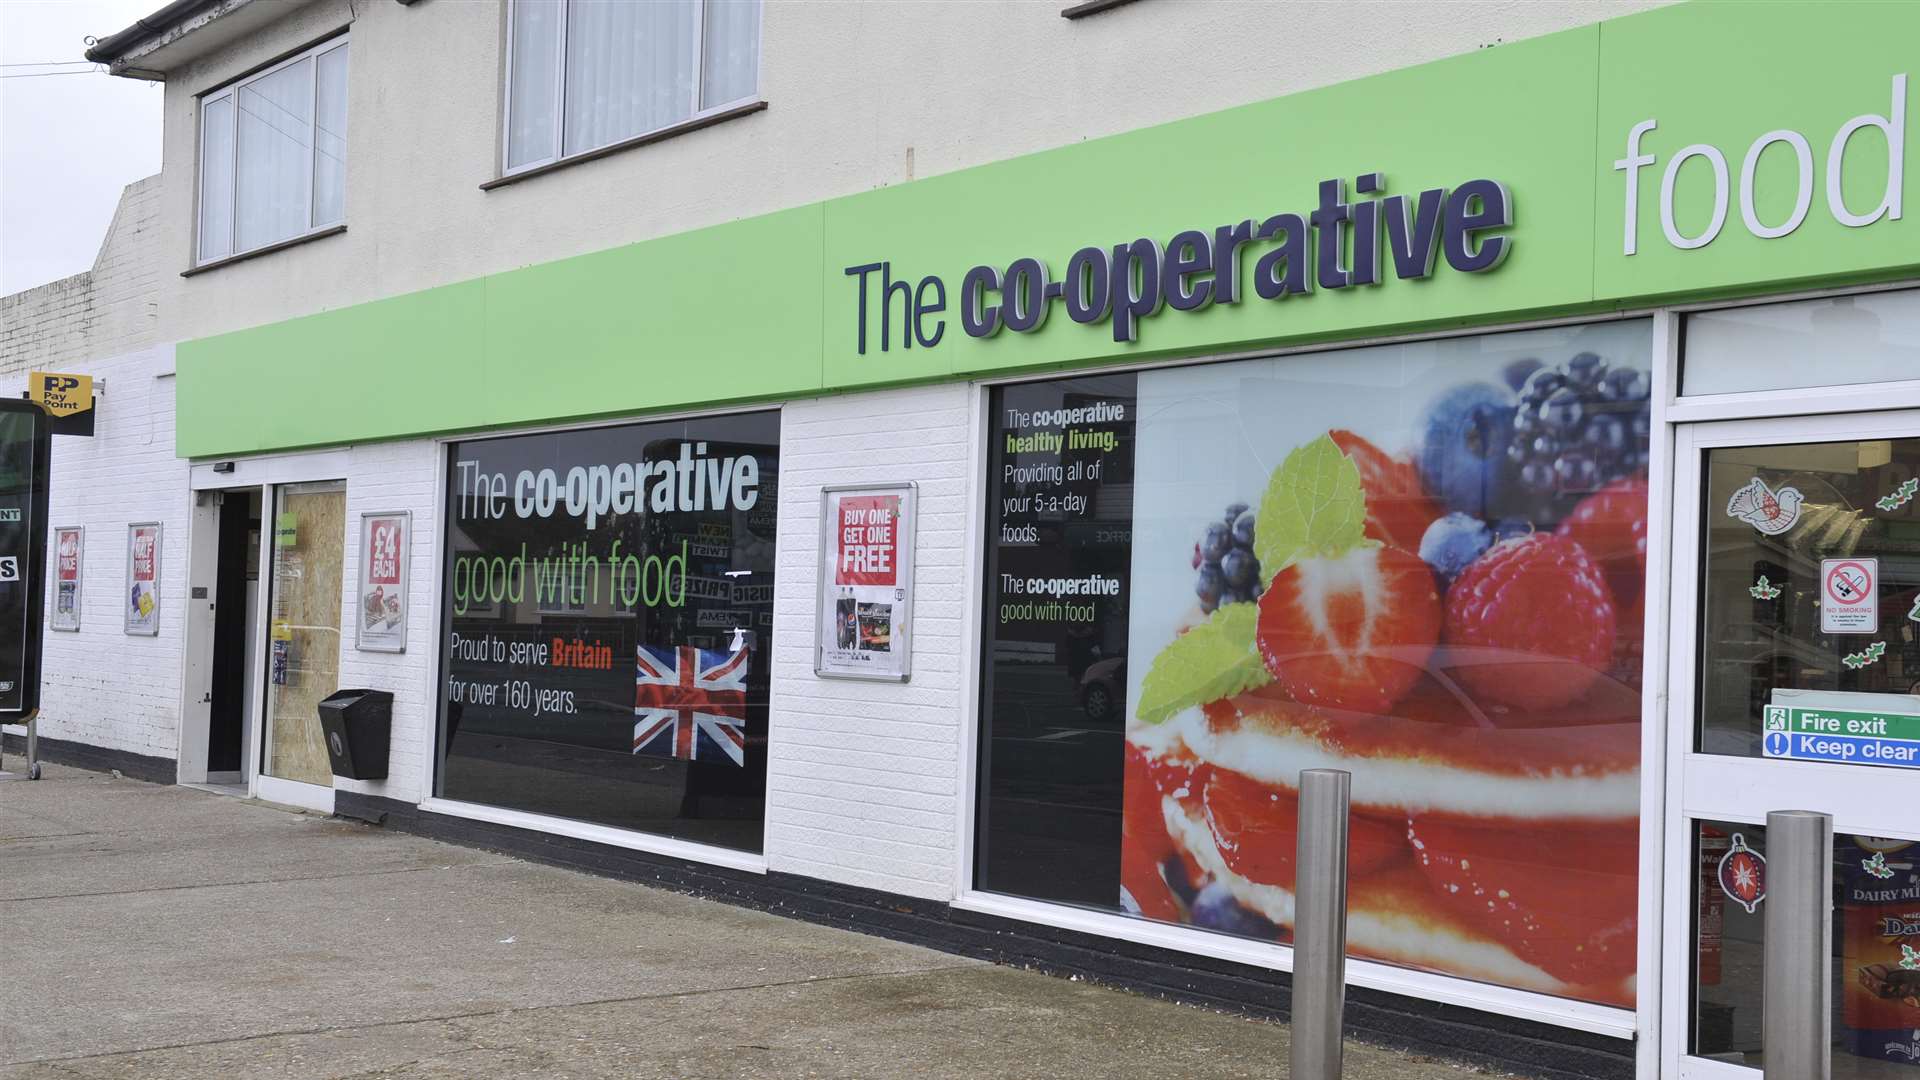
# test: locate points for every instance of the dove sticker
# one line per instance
(1772, 512)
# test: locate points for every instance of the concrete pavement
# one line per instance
(150, 931)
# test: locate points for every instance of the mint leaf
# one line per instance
(1215, 659)
(1314, 506)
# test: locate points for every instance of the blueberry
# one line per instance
(1214, 908)
(1452, 542)
(1216, 543)
(1563, 410)
(1641, 427)
(1543, 446)
(1234, 510)
(1208, 586)
(1240, 568)
(1243, 529)
(1244, 594)
(1464, 445)
(1515, 374)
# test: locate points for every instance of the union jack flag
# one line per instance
(690, 703)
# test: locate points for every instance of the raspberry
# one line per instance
(1611, 524)
(1530, 624)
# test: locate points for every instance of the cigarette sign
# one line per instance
(1849, 596)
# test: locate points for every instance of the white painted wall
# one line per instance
(100, 685)
(381, 478)
(863, 784)
(856, 91)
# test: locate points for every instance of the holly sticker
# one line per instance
(1743, 874)
(1877, 866)
(1771, 512)
(1865, 656)
(1900, 496)
(1909, 958)
(1766, 590)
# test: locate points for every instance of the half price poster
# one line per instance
(68, 544)
(383, 583)
(143, 579)
(866, 582)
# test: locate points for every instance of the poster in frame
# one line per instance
(142, 610)
(863, 623)
(69, 546)
(385, 541)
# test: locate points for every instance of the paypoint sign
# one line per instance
(60, 395)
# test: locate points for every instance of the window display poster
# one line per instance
(143, 579)
(69, 543)
(383, 582)
(866, 576)
(1421, 563)
(607, 607)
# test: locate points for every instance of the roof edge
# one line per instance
(114, 49)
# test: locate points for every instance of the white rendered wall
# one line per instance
(863, 785)
(861, 95)
(385, 477)
(100, 685)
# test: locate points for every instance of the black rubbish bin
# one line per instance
(359, 726)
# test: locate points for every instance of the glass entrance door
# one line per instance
(1794, 685)
(309, 526)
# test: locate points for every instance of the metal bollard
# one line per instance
(1795, 1009)
(1320, 925)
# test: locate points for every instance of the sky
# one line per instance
(68, 143)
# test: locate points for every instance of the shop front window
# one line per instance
(608, 608)
(1422, 563)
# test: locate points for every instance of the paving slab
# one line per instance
(148, 931)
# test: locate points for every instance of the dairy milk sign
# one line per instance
(1730, 175)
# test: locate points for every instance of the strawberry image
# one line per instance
(1611, 524)
(1562, 897)
(1255, 826)
(1145, 846)
(1530, 624)
(1398, 509)
(1350, 631)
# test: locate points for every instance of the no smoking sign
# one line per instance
(1850, 596)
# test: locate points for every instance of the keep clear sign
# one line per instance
(1844, 727)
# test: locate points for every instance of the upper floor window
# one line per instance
(273, 153)
(582, 74)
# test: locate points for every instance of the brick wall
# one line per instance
(864, 780)
(109, 310)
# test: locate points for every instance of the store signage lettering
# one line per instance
(693, 482)
(1337, 245)
(1892, 126)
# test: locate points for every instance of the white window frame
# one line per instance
(230, 93)
(696, 116)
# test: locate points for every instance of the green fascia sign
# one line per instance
(1716, 122)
